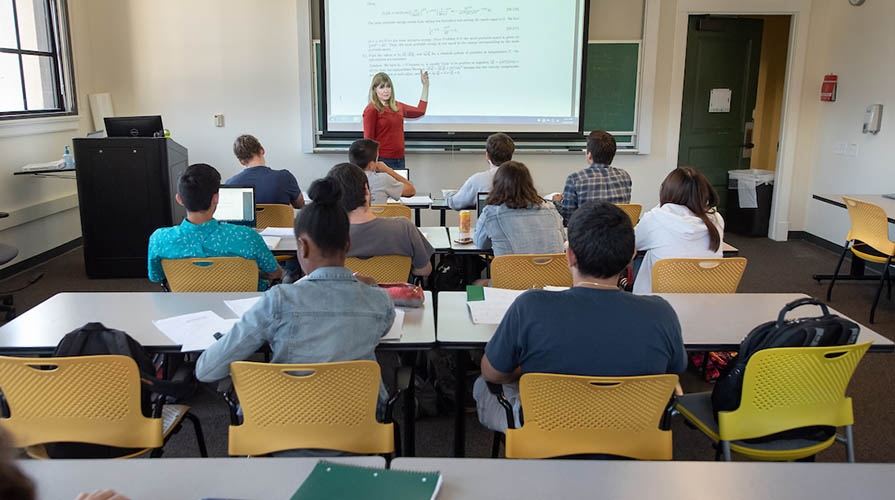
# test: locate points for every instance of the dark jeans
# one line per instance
(394, 163)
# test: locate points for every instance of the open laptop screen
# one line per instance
(236, 205)
(480, 202)
(403, 172)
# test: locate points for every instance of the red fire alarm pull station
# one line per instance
(828, 88)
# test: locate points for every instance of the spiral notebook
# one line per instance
(330, 480)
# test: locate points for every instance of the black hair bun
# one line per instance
(325, 191)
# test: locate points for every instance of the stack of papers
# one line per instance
(412, 200)
(397, 327)
(279, 232)
(194, 331)
(271, 241)
(491, 310)
(240, 306)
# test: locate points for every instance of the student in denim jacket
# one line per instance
(515, 218)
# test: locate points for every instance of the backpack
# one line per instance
(826, 330)
(450, 273)
(96, 339)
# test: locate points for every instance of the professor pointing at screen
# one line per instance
(384, 118)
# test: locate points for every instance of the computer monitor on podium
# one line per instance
(134, 126)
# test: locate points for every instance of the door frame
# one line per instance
(799, 12)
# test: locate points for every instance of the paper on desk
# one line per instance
(416, 200)
(397, 327)
(194, 331)
(491, 310)
(271, 241)
(551, 288)
(240, 306)
(282, 232)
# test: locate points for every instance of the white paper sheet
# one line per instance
(417, 200)
(194, 331)
(281, 232)
(397, 327)
(240, 306)
(491, 310)
(746, 193)
(551, 288)
(271, 241)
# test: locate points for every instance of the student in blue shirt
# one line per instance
(329, 315)
(200, 235)
(273, 187)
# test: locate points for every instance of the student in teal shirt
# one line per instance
(200, 235)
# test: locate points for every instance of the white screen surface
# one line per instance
(510, 65)
(235, 204)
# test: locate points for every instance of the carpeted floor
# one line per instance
(773, 267)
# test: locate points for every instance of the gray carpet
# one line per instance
(773, 267)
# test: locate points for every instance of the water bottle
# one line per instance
(69, 162)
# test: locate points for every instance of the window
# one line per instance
(35, 77)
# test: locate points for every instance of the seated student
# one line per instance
(685, 224)
(272, 187)
(599, 181)
(593, 328)
(384, 182)
(371, 235)
(499, 149)
(327, 316)
(515, 218)
(200, 235)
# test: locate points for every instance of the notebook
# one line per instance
(330, 480)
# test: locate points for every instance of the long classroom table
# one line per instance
(709, 322)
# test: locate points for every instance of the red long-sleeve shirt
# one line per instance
(387, 127)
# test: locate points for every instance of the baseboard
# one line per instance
(817, 240)
(30, 262)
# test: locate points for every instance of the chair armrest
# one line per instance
(497, 390)
(403, 379)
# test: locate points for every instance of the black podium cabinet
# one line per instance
(126, 189)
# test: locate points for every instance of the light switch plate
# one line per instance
(839, 148)
(852, 150)
(219, 120)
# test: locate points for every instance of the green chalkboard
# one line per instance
(610, 92)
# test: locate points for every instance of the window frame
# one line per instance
(61, 54)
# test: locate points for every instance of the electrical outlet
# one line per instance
(219, 120)
(852, 150)
(839, 148)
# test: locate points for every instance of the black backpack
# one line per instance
(96, 339)
(826, 330)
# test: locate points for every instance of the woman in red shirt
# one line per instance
(384, 118)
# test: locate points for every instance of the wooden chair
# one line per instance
(633, 211)
(524, 271)
(573, 415)
(867, 239)
(783, 389)
(382, 268)
(84, 399)
(391, 210)
(274, 216)
(328, 406)
(212, 274)
(691, 275)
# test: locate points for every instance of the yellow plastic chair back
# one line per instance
(274, 216)
(391, 210)
(632, 210)
(698, 275)
(569, 415)
(869, 225)
(83, 399)
(524, 271)
(382, 268)
(324, 406)
(213, 274)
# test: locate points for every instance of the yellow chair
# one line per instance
(524, 271)
(391, 210)
(632, 210)
(274, 215)
(296, 406)
(212, 274)
(867, 239)
(572, 415)
(84, 399)
(382, 268)
(698, 275)
(783, 389)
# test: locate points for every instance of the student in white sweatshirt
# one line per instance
(685, 224)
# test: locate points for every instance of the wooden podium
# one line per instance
(126, 189)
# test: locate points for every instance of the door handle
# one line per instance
(749, 145)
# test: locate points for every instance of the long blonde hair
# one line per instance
(379, 79)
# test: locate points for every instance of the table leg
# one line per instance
(408, 449)
(460, 397)
(416, 212)
(443, 217)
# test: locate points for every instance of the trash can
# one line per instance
(749, 194)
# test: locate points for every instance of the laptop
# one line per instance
(236, 205)
(480, 203)
(403, 172)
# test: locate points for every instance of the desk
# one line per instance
(416, 206)
(639, 480)
(437, 236)
(178, 477)
(441, 205)
(700, 315)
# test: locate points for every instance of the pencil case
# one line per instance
(404, 294)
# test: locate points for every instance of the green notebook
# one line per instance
(333, 481)
(475, 293)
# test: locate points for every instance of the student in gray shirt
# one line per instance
(499, 149)
(384, 182)
(371, 235)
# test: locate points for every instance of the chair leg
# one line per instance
(836, 271)
(849, 444)
(200, 437)
(879, 289)
(495, 444)
(725, 449)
